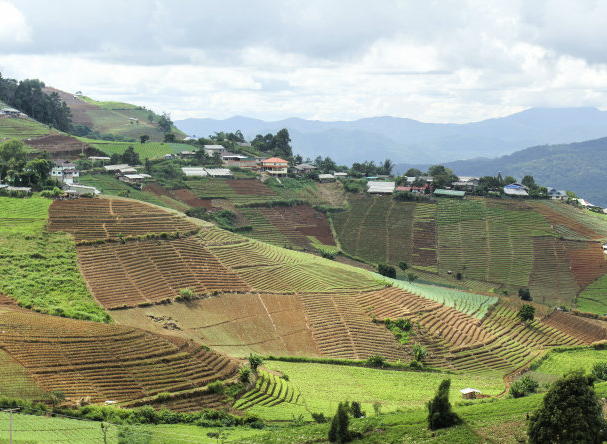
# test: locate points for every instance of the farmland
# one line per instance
(148, 150)
(559, 362)
(322, 386)
(87, 359)
(592, 299)
(39, 269)
(22, 129)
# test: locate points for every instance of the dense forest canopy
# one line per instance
(27, 96)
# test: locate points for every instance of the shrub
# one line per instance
(599, 370)
(411, 277)
(439, 409)
(523, 387)
(356, 410)
(186, 294)
(419, 352)
(319, 417)
(416, 365)
(403, 265)
(386, 270)
(328, 254)
(377, 407)
(376, 361)
(244, 374)
(161, 397)
(458, 276)
(216, 387)
(284, 376)
(339, 432)
(526, 313)
(255, 361)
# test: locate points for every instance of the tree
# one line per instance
(144, 138)
(339, 432)
(403, 265)
(570, 413)
(529, 182)
(386, 270)
(439, 409)
(281, 144)
(411, 276)
(130, 157)
(413, 172)
(56, 398)
(255, 361)
(509, 180)
(169, 137)
(386, 167)
(526, 313)
(165, 123)
(525, 294)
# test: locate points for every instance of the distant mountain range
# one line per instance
(409, 141)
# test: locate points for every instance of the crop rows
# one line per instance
(578, 222)
(587, 261)
(269, 391)
(583, 329)
(343, 329)
(424, 235)
(105, 362)
(15, 381)
(488, 240)
(475, 305)
(551, 280)
(98, 219)
(264, 230)
(593, 298)
(13, 128)
(378, 229)
(147, 150)
(151, 271)
(245, 191)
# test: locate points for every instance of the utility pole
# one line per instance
(10, 425)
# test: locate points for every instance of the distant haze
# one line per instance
(410, 142)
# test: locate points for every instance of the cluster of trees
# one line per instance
(278, 144)
(130, 157)
(16, 170)
(27, 96)
(369, 169)
(441, 177)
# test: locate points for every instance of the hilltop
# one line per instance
(407, 140)
(575, 166)
(116, 118)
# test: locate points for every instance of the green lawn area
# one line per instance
(39, 269)
(323, 386)
(560, 362)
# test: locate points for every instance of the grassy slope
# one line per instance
(148, 150)
(39, 269)
(21, 129)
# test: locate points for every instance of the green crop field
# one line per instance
(15, 381)
(39, 269)
(147, 150)
(561, 362)
(323, 386)
(12, 128)
(593, 298)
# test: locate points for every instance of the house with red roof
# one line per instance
(275, 166)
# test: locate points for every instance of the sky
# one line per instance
(433, 61)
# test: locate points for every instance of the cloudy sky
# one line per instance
(435, 61)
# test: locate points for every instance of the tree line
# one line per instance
(27, 96)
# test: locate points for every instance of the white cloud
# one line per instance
(13, 26)
(452, 61)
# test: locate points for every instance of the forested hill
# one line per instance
(580, 167)
(407, 140)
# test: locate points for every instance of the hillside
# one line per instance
(576, 166)
(407, 140)
(112, 117)
(499, 245)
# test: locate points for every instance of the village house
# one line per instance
(340, 175)
(212, 149)
(238, 160)
(194, 171)
(134, 178)
(555, 194)
(322, 178)
(381, 187)
(65, 171)
(275, 166)
(466, 183)
(186, 154)
(115, 168)
(218, 172)
(301, 169)
(516, 189)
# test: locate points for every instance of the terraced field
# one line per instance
(148, 150)
(111, 186)
(99, 219)
(126, 275)
(269, 392)
(237, 191)
(378, 229)
(21, 129)
(593, 298)
(86, 359)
